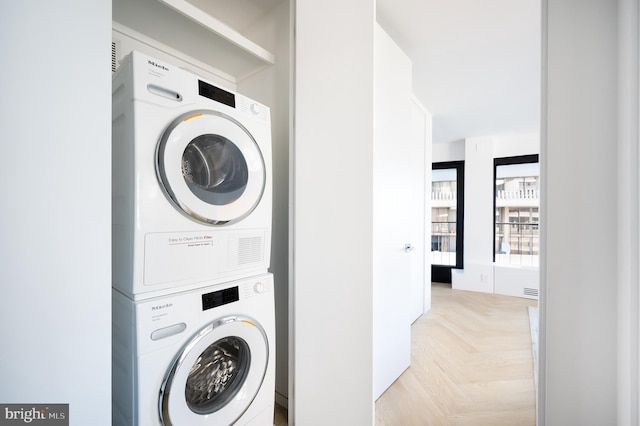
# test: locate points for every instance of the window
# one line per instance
(517, 206)
(444, 194)
(447, 213)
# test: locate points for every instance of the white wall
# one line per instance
(579, 174)
(452, 151)
(271, 87)
(332, 241)
(55, 181)
(515, 145)
(479, 273)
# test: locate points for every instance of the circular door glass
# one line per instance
(217, 375)
(210, 167)
(214, 169)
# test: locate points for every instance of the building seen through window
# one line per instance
(444, 193)
(517, 205)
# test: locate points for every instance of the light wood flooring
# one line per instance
(471, 365)
(280, 416)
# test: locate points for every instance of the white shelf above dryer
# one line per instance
(214, 25)
(188, 29)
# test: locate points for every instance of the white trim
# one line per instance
(542, 297)
(628, 214)
(291, 414)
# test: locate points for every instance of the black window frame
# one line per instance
(442, 273)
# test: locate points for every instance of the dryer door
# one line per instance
(210, 167)
(217, 375)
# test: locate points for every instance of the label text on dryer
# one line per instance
(192, 240)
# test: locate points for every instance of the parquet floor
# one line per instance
(471, 365)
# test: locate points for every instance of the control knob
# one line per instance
(255, 108)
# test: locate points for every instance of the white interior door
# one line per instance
(392, 204)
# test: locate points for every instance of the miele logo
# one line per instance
(160, 307)
(162, 67)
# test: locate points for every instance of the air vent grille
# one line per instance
(531, 292)
(246, 250)
(115, 55)
(250, 250)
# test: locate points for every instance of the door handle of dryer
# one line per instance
(409, 248)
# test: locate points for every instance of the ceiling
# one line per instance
(476, 63)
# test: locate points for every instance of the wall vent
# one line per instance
(531, 292)
(115, 55)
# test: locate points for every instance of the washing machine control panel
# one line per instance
(228, 295)
(220, 297)
(257, 287)
(165, 319)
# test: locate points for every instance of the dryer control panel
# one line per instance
(217, 94)
(241, 103)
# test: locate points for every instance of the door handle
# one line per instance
(408, 248)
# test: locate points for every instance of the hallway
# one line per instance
(471, 364)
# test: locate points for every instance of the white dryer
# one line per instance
(191, 183)
(200, 357)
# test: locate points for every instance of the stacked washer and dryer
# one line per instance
(193, 306)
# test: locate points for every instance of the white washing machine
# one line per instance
(200, 357)
(191, 183)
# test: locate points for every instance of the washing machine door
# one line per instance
(210, 167)
(217, 375)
